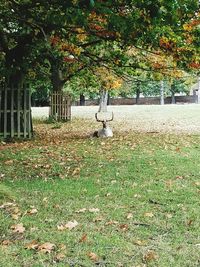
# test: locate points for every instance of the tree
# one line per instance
(75, 35)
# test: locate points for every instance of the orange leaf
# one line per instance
(32, 245)
(150, 255)
(93, 256)
(83, 238)
(123, 227)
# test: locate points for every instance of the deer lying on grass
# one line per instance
(106, 131)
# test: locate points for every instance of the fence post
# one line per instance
(60, 106)
(15, 112)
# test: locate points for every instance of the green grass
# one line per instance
(5, 193)
(153, 177)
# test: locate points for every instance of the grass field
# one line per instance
(74, 201)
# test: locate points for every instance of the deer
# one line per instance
(106, 131)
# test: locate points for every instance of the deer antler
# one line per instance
(111, 118)
(96, 116)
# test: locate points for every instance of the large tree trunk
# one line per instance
(103, 100)
(15, 100)
(56, 79)
(60, 105)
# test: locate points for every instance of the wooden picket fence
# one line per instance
(60, 106)
(15, 112)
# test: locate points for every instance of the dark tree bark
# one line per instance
(137, 95)
(56, 79)
(173, 98)
(82, 100)
(108, 101)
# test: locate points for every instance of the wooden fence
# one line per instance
(60, 106)
(15, 112)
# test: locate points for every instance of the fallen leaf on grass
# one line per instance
(32, 211)
(189, 223)
(150, 255)
(8, 162)
(61, 227)
(76, 172)
(7, 204)
(18, 228)
(140, 242)
(123, 227)
(15, 216)
(137, 196)
(2, 175)
(111, 222)
(60, 257)
(62, 247)
(57, 206)
(83, 238)
(149, 214)
(46, 247)
(197, 183)
(45, 199)
(179, 177)
(93, 256)
(129, 216)
(81, 210)
(32, 245)
(98, 219)
(168, 215)
(69, 226)
(6, 242)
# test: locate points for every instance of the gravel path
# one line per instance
(167, 118)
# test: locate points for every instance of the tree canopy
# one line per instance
(71, 36)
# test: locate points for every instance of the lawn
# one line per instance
(71, 200)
